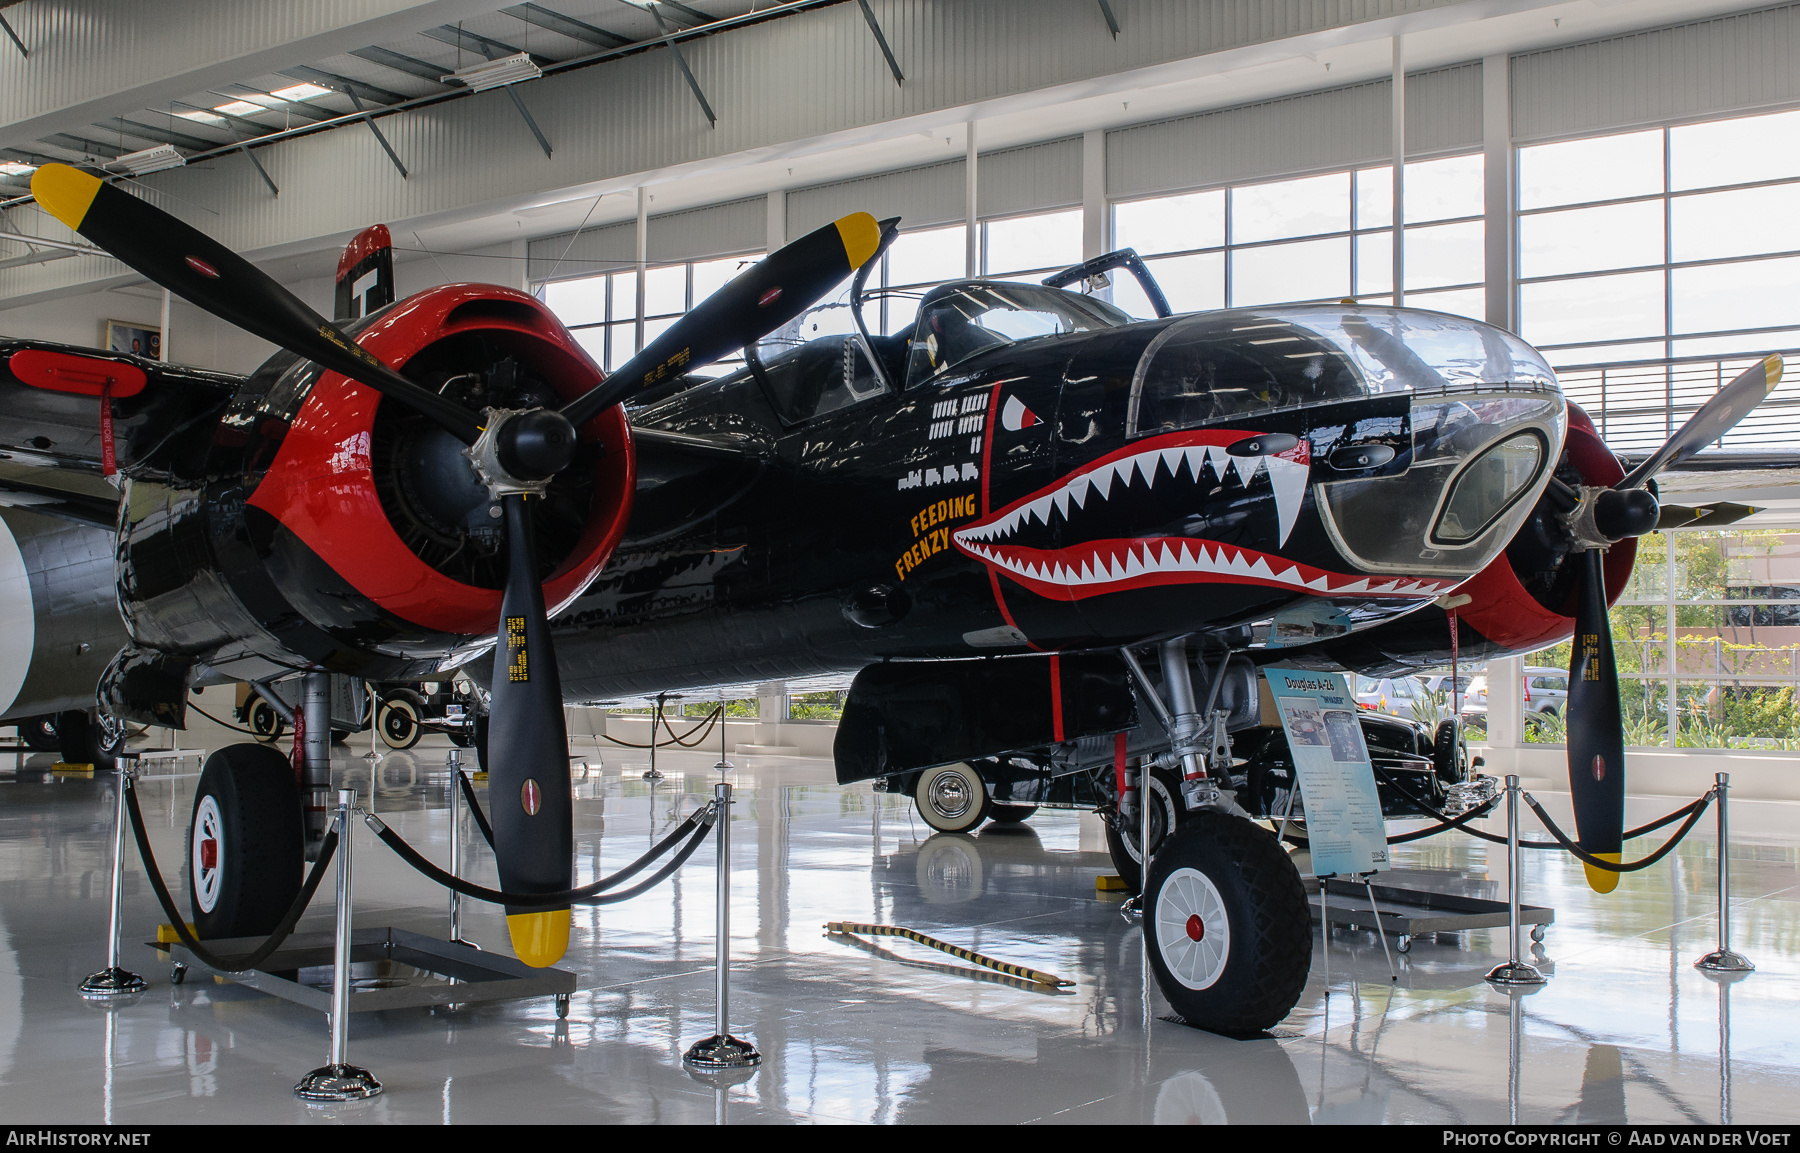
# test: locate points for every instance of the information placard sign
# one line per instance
(1343, 812)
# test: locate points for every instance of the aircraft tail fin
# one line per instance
(365, 274)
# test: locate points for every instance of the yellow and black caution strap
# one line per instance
(957, 951)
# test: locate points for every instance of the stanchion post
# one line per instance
(1723, 959)
(455, 850)
(340, 1080)
(114, 981)
(722, 1051)
(1134, 906)
(1514, 971)
(724, 765)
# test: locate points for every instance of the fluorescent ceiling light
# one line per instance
(494, 73)
(301, 91)
(202, 117)
(14, 168)
(239, 108)
(149, 160)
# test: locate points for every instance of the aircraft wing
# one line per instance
(61, 493)
(50, 397)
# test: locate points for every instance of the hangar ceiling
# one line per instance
(301, 122)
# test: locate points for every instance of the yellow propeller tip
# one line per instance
(1772, 366)
(861, 236)
(65, 193)
(539, 939)
(1602, 880)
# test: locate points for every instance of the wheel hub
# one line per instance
(950, 796)
(1192, 932)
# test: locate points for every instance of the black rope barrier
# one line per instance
(703, 726)
(285, 928)
(1588, 858)
(1445, 822)
(698, 824)
(1686, 810)
(481, 821)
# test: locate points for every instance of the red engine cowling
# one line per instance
(1508, 614)
(322, 487)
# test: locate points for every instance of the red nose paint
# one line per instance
(203, 268)
(1196, 928)
(530, 797)
(769, 297)
(209, 854)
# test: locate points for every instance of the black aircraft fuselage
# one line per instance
(1112, 484)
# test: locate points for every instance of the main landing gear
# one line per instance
(1225, 920)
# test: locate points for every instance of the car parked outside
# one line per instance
(1545, 690)
(1395, 696)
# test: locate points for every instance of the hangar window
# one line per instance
(1658, 263)
(1313, 238)
(602, 311)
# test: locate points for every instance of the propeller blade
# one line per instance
(1596, 729)
(760, 300)
(528, 754)
(205, 273)
(1722, 513)
(1676, 515)
(1715, 418)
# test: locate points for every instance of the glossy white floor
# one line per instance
(1626, 1029)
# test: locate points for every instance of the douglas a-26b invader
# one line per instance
(1008, 527)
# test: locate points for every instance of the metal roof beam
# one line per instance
(14, 37)
(487, 46)
(668, 38)
(568, 26)
(84, 146)
(400, 62)
(355, 88)
(512, 90)
(881, 39)
(1112, 21)
(160, 135)
(376, 129)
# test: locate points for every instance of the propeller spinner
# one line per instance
(515, 452)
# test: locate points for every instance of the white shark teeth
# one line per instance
(1287, 478)
(1102, 567)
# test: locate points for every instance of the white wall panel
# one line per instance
(1730, 64)
(1030, 179)
(1320, 130)
(717, 230)
(592, 250)
(921, 197)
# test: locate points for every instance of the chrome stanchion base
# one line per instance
(653, 774)
(112, 983)
(1515, 973)
(337, 1083)
(724, 766)
(1723, 961)
(1133, 907)
(722, 1052)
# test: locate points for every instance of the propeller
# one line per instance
(1598, 518)
(515, 452)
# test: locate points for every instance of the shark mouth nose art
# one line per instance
(1113, 517)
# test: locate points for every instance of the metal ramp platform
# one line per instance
(1408, 913)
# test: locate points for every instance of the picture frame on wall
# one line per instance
(137, 339)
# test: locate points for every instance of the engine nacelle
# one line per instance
(320, 527)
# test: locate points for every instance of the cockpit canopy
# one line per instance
(957, 321)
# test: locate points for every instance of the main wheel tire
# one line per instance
(78, 740)
(39, 733)
(264, 721)
(400, 725)
(1002, 814)
(1231, 936)
(951, 798)
(1123, 845)
(246, 845)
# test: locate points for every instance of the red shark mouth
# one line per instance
(1119, 564)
